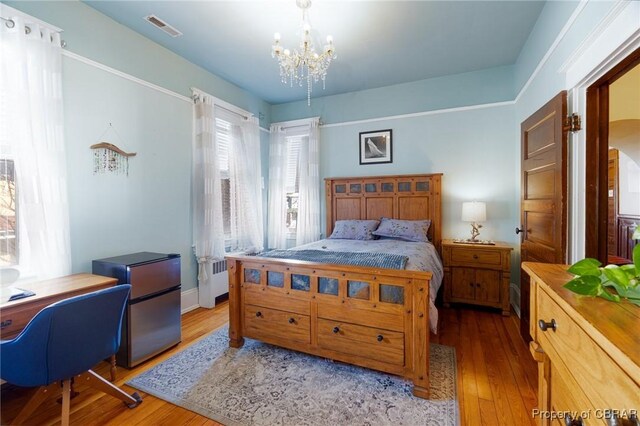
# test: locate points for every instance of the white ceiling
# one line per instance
(378, 43)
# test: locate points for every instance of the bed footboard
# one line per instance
(371, 317)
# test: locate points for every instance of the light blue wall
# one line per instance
(474, 149)
(149, 210)
(91, 34)
(478, 87)
(549, 81)
(552, 19)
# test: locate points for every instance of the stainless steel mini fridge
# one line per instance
(152, 318)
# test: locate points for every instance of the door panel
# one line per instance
(540, 185)
(463, 283)
(543, 211)
(488, 289)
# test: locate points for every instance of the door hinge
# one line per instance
(573, 122)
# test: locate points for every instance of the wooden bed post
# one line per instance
(235, 325)
(421, 339)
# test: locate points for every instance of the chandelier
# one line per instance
(306, 63)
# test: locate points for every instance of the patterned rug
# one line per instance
(260, 384)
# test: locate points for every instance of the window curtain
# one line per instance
(277, 231)
(245, 187)
(308, 226)
(208, 231)
(32, 135)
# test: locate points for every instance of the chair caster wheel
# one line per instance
(138, 399)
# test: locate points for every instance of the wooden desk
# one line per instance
(16, 314)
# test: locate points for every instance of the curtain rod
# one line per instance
(293, 127)
(10, 23)
(294, 124)
(221, 104)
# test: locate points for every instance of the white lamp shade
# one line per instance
(474, 211)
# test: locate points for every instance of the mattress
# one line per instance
(422, 256)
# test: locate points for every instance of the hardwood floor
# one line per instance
(497, 378)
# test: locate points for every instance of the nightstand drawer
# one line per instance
(475, 257)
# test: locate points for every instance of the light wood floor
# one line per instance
(496, 377)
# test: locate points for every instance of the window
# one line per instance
(223, 138)
(8, 229)
(293, 180)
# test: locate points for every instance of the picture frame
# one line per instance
(376, 147)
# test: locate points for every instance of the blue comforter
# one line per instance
(379, 260)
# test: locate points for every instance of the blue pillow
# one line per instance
(354, 229)
(407, 230)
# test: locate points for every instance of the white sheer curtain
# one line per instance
(208, 231)
(32, 136)
(308, 177)
(277, 230)
(308, 226)
(245, 193)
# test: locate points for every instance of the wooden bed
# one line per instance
(370, 332)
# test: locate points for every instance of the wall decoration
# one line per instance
(375, 147)
(108, 158)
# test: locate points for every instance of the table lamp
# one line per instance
(474, 212)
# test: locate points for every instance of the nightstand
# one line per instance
(477, 274)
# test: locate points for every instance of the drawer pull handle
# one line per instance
(380, 337)
(292, 320)
(336, 329)
(258, 314)
(518, 230)
(6, 323)
(544, 326)
(570, 421)
(475, 256)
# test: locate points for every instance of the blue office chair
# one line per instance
(62, 343)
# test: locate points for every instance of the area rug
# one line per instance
(260, 384)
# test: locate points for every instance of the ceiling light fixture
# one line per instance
(305, 64)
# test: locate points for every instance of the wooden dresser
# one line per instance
(478, 274)
(587, 349)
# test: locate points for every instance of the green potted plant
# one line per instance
(611, 282)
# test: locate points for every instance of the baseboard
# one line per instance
(189, 300)
(514, 298)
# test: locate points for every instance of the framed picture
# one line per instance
(375, 147)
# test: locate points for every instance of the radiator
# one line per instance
(216, 285)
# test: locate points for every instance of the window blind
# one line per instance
(293, 154)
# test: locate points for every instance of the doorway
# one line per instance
(613, 163)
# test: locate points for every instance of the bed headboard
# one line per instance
(409, 197)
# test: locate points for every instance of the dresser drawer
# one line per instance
(260, 321)
(368, 342)
(569, 399)
(462, 256)
(576, 354)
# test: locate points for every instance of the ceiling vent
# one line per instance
(159, 23)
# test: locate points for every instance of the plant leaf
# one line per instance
(588, 285)
(606, 295)
(629, 292)
(586, 267)
(616, 275)
(636, 250)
